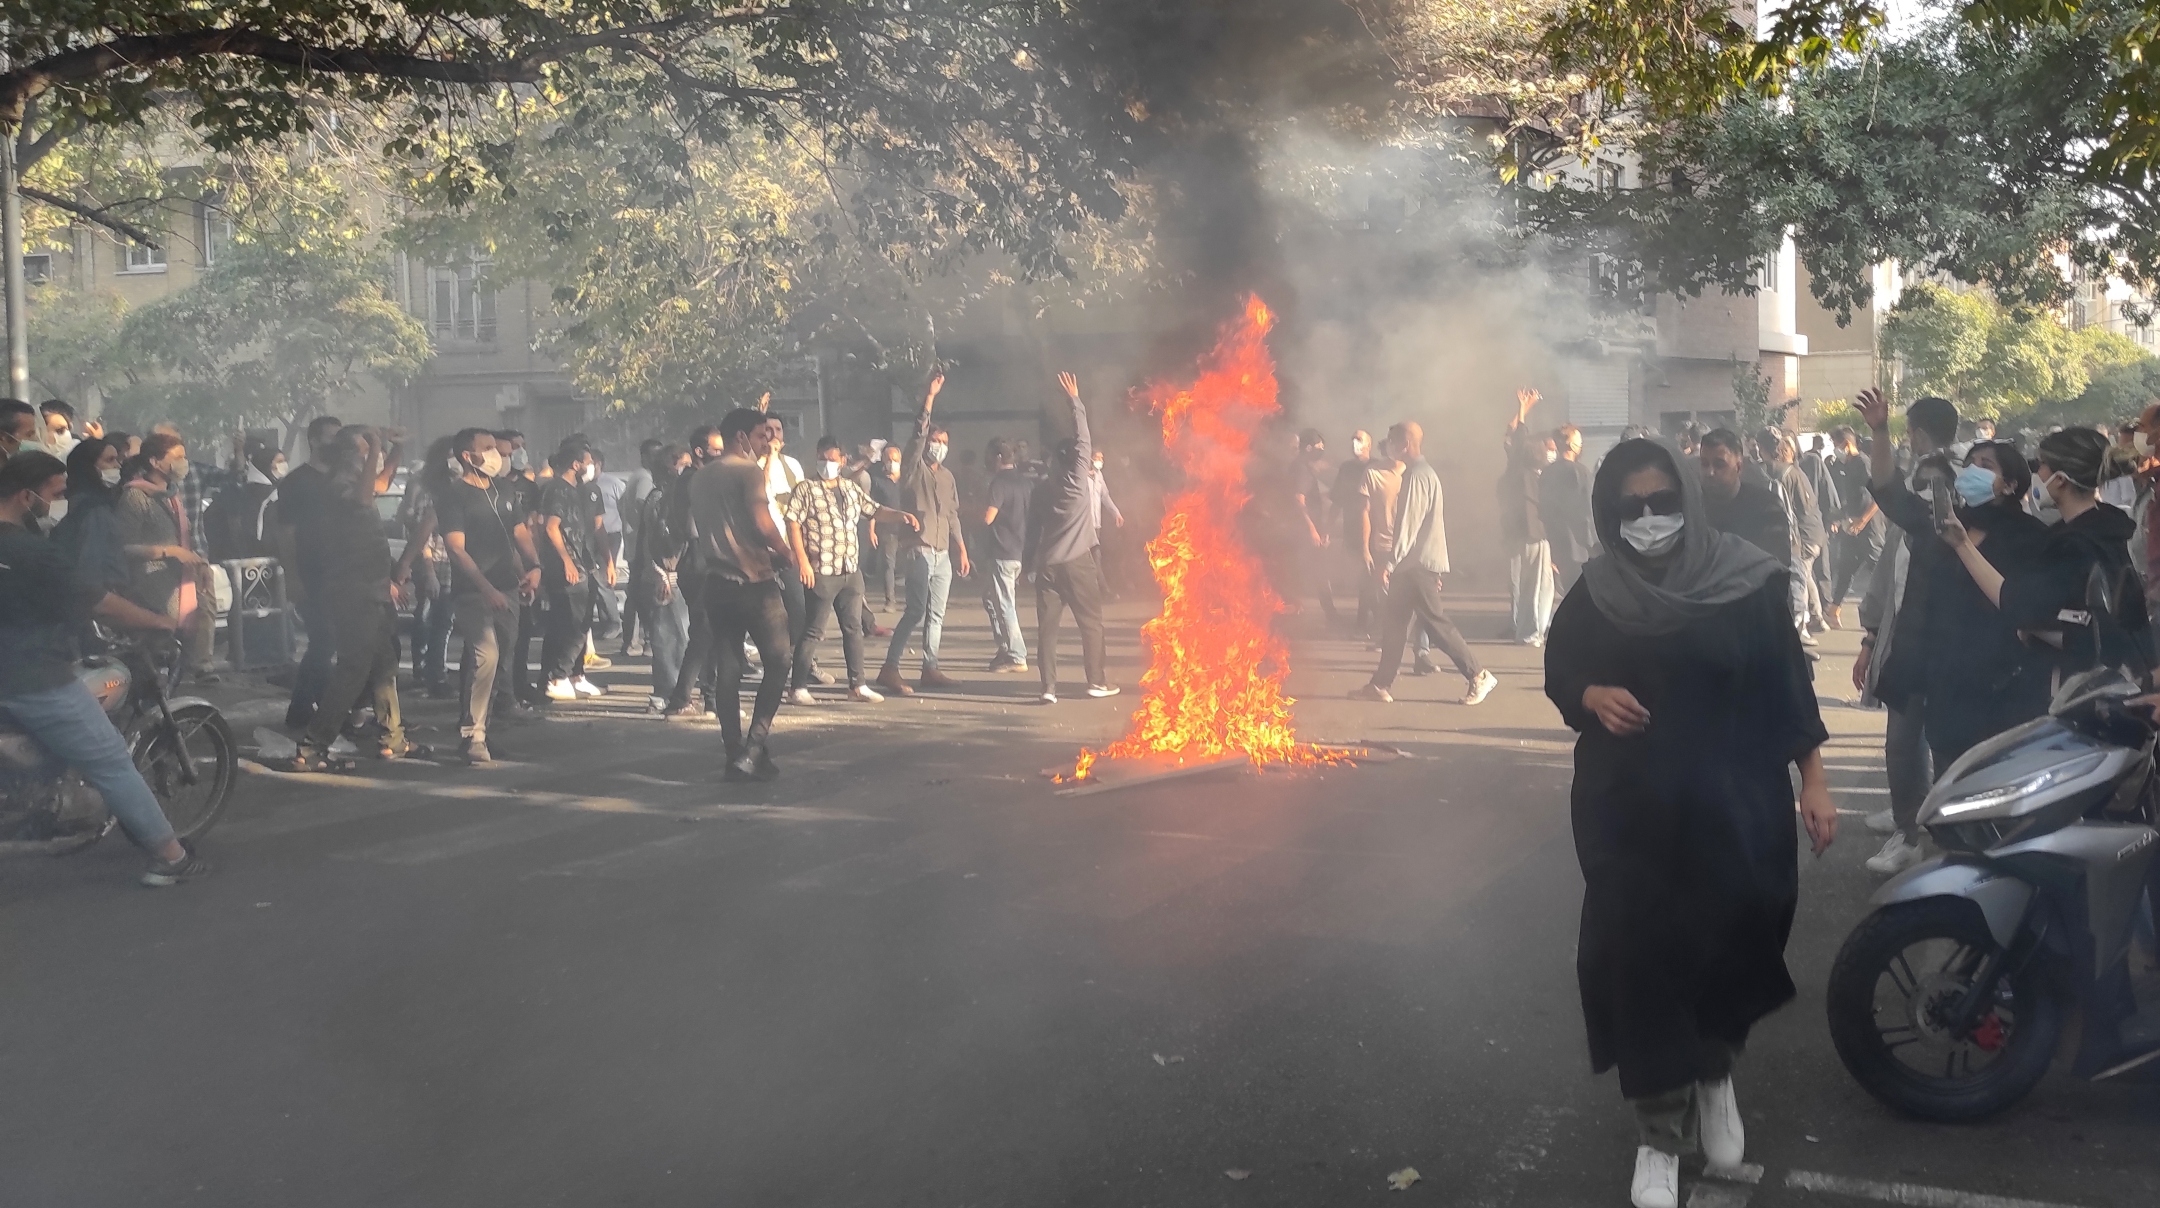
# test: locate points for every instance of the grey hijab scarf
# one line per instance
(1710, 570)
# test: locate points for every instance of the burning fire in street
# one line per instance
(1214, 684)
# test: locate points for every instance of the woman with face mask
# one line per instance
(2046, 599)
(1675, 659)
(87, 533)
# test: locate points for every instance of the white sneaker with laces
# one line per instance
(561, 689)
(1480, 688)
(1657, 1179)
(585, 687)
(1898, 854)
(1724, 1137)
(799, 696)
(1048, 698)
(1882, 822)
(1098, 691)
(866, 694)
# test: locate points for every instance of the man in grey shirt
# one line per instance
(930, 494)
(1063, 520)
(1412, 577)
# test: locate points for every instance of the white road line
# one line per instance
(1911, 1194)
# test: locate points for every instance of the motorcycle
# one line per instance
(181, 745)
(1950, 1000)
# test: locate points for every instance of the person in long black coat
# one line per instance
(1676, 660)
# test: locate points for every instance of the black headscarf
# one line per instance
(1710, 570)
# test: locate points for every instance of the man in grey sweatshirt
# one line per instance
(1061, 555)
(1412, 577)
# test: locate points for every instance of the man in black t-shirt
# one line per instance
(495, 572)
(1005, 524)
(570, 568)
(302, 496)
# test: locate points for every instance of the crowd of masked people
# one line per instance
(1969, 555)
(720, 555)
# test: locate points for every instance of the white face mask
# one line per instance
(491, 463)
(2043, 497)
(589, 473)
(110, 477)
(937, 454)
(277, 470)
(176, 470)
(518, 460)
(1551, 456)
(1653, 535)
(830, 469)
(55, 513)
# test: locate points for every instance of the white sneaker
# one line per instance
(799, 696)
(585, 687)
(1882, 822)
(1657, 1179)
(1098, 691)
(1048, 698)
(656, 704)
(561, 690)
(1480, 688)
(866, 694)
(1724, 1138)
(1898, 854)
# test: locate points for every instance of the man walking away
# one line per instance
(1061, 554)
(1522, 526)
(1005, 529)
(636, 488)
(494, 575)
(1348, 499)
(1856, 541)
(570, 569)
(1745, 509)
(927, 554)
(655, 581)
(824, 515)
(1310, 523)
(1564, 508)
(706, 447)
(1412, 577)
(301, 497)
(739, 545)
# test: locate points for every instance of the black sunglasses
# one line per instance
(1658, 503)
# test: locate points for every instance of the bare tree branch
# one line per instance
(91, 214)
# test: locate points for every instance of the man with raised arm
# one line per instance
(1060, 553)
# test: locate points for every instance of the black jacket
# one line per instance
(1754, 515)
(2049, 598)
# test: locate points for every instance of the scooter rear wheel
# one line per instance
(1890, 997)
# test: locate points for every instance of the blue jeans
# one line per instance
(667, 629)
(72, 727)
(929, 581)
(1002, 604)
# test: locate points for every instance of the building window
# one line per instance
(1766, 272)
(1608, 178)
(460, 307)
(216, 233)
(142, 258)
(37, 266)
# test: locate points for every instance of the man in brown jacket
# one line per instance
(929, 493)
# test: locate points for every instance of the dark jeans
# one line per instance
(314, 673)
(488, 637)
(839, 596)
(697, 650)
(1413, 595)
(735, 610)
(521, 676)
(791, 597)
(1079, 584)
(569, 618)
(1855, 555)
(432, 619)
(367, 660)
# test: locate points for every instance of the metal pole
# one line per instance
(18, 296)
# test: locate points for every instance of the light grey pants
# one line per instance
(1906, 759)
(1671, 1122)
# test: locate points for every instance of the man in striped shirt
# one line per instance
(824, 518)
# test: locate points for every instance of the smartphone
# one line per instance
(1939, 496)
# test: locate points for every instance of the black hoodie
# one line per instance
(2051, 597)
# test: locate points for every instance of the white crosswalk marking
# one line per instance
(1911, 1194)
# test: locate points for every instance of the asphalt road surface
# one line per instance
(909, 973)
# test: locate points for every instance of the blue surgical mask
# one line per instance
(1975, 485)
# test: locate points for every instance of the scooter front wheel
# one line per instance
(1893, 995)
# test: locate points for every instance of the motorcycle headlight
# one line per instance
(2002, 795)
(1972, 837)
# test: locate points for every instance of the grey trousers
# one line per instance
(1910, 767)
(1671, 1123)
(489, 636)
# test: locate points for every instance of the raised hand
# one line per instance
(1525, 400)
(1071, 386)
(764, 402)
(1874, 409)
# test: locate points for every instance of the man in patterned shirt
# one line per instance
(824, 514)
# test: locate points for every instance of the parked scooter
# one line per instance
(1950, 1000)
(181, 745)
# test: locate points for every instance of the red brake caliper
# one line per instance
(1989, 1033)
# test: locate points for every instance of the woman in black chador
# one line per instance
(1676, 659)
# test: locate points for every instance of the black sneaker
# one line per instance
(165, 873)
(740, 768)
(765, 768)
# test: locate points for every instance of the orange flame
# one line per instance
(1214, 683)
